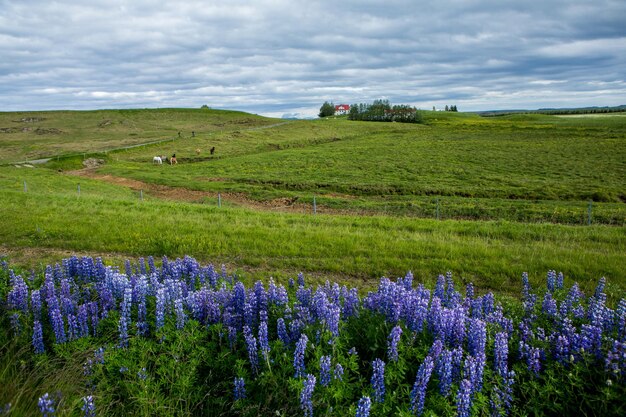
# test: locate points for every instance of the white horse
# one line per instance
(157, 160)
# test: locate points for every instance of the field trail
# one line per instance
(196, 196)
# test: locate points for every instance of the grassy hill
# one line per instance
(33, 135)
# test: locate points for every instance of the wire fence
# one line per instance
(438, 207)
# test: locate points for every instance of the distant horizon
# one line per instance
(286, 116)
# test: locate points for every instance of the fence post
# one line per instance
(79, 190)
(589, 214)
(314, 205)
(141, 194)
(437, 208)
(25, 187)
(219, 200)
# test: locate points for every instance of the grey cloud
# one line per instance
(272, 57)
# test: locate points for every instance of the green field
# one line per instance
(512, 194)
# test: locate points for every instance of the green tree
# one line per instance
(327, 109)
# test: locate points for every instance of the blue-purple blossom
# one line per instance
(501, 353)
(306, 395)
(46, 405)
(298, 356)
(363, 407)
(549, 305)
(38, 337)
(281, 330)
(251, 346)
(418, 393)
(378, 380)
(264, 343)
(392, 343)
(444, 370)
(338, 372)
(58, 324)
(240, 389)
(125, 317)
(181, 317)
(325, 376)
(464, 399)
(88, 408)
(160, 307)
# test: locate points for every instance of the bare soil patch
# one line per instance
(286, 204)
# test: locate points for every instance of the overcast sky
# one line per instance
(276, 57)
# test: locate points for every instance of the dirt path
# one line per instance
(195, 196)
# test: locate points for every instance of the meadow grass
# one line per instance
(528, 168)
(111, 219)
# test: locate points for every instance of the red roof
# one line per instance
(342, 107)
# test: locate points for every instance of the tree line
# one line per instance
(383, 111)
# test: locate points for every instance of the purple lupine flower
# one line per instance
(350, 302)
(615, 362)
(38, 337)
(181, 317)
(325, 370)
(125, 316)
(378, 380)
(501, 353)
(332, 317)
(240, 389)
(621, 318)
(300, 279)
(160, 307)
(435, 349)
(600, 287)
(35, 304)
(83, 321)
(464, 399)
(450, 291)
(477, 337)
(142, 375)
(549, 305)
(418, 393)
(264, 343)
(18, 296)
(591, 339)
(470, 370)
(440, 287)
(281, 330)
(488, 303)
(251, 345)
(338, 372)
(392, 344)
(58, 325)
(444, 372)
(306, 395)
(457, 361)
(46, 405)
(559, 281)
(363, 407)
(298, 356)
(532, 356)
(89, 408)
(73, 332)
